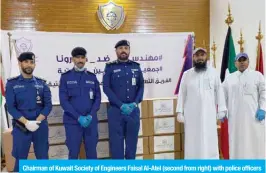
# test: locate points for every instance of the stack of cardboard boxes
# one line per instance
(160, 135)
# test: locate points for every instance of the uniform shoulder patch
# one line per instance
(134, 62)
(40, 78)
(112, 62)
(66, 72)
(12, 78)
(91, 73)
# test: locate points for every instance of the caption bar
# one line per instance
(112, 166)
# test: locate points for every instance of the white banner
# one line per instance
(160, 56)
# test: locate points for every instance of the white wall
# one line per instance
(246, 14)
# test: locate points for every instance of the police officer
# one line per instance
(28, 100)
(80, 98)
(124, 86)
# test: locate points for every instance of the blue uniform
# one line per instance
(123, 83)
(80, 95)
(29, 98)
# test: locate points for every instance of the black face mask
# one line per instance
(200, 66)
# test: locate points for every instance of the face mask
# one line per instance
(79, 69)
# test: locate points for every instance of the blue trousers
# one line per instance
(74, 135)
(22, 143)
(123, 128)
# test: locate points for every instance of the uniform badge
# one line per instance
(38, 98)
(91, 94)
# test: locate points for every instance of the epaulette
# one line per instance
(11, 78)
(134, 62)
(112, 62)
(90, 73)
(66, 72)
(40, 78)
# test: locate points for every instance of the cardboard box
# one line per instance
(162, 108)
(57, 134)
(58, 152)
(182, 154)
(103, 150)
(10, 161)
(7, 140)
(166, 125)
(102, 112)
(56, 115)
(166, 156)
(144, 109)
(167, 143)
(145, 128)
(183, 141)
(143, 157)
(143, 145)
(103, 131)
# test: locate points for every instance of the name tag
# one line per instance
(90, 82)
(134, 70)
(18, 86)
(72, 82)
(38, 86)
(133, 81)
(91, 95)
(117, 70)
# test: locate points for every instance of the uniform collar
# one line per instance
(124, 62)
(22, 78)
(74, 71)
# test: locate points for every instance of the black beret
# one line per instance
(26, 56)
(122, 43)
(78, 51)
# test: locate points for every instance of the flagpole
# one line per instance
(9, 41)
(259, 38)
(214, 48)
(241, 42)
(224, 135)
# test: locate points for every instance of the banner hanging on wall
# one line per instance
(160, 56)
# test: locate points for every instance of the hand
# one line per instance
(133, 106)
(83, 121)
(126, 110)
(260, 115)
(180, 118)
(41, 117)
(89, 118)
(221, 116)
(32, 125)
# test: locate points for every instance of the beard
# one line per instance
(123, 56)
(27, 70)
(200, 66)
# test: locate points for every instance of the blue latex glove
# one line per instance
(133, 106)
(126, 110)
(89, 118)
(260, 115)
(83, 121)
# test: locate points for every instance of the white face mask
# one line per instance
(79, 69)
